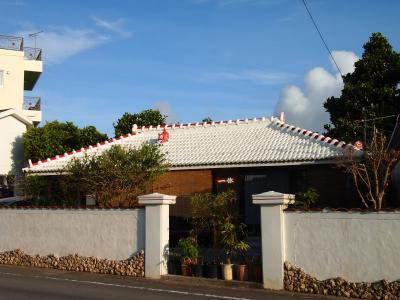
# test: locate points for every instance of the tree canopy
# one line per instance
(57, 138)
(144, 118)
(114, 178)
(117, 176)
(370, 92)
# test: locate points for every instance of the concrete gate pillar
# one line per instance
(157, 233)
(272, 236)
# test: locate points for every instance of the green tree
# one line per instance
(117, 176)
(114, 178)
(145, 118)
(89, 135)
(207, 119)
(57, 138)
(372, 87)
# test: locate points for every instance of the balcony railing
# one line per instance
(32, 53)
(17, 44)
(32, 103)
(11, 43)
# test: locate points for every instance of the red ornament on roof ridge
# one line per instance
(163, 137)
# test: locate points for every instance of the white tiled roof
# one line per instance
(255, 142)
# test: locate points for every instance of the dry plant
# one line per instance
(371, 169)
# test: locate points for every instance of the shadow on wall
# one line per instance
(18, 162)
(140, 229)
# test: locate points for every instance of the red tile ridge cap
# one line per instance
(204, 124)
(83, 149)
(311, 134)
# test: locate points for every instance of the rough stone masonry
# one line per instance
(133, 266)
(296, 280)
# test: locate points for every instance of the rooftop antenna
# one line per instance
(34, 35)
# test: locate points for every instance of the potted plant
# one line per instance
(256, 268)
(211, 270)
(208, 210)
(173, 264)
(231, 239)
(307, 199)
(242, 269)
(189, 254)
(197, 268)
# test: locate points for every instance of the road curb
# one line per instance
(213, 282)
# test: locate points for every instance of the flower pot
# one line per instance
(256, 273)
(173, 268)
(197, 270)
(211, 271)
(241, 272)
(227, 272)
(186, 270)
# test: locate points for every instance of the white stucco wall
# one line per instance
(111, 234)
(11, 131)
(353, 245)
(12, 90)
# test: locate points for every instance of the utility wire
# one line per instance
(379, 118)
(322, 38)
(364, 120)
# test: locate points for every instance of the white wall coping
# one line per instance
(156, 199)
(273, 198)
(98, 211)
(351, 214)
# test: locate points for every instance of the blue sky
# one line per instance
(226, 59)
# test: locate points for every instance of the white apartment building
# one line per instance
(20, 69)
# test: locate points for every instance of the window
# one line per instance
(1, 78)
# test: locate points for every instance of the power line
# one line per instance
(379, 118)
(322, 38)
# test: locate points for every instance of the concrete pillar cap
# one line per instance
(156, 199)
(273, 198)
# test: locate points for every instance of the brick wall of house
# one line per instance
(183, 184)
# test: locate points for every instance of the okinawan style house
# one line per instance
(20, 69)
(249, 156)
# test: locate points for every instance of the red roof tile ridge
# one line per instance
(310, 134)
(83, 149)
(198, 124)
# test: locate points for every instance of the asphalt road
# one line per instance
(33, 283)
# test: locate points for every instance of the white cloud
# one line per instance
(304, 108)
(113, 26)
(260, 77)
(60, 43)
(165, 108)
(345, 61)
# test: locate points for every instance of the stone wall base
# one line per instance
(130, 267)
(296, 280)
